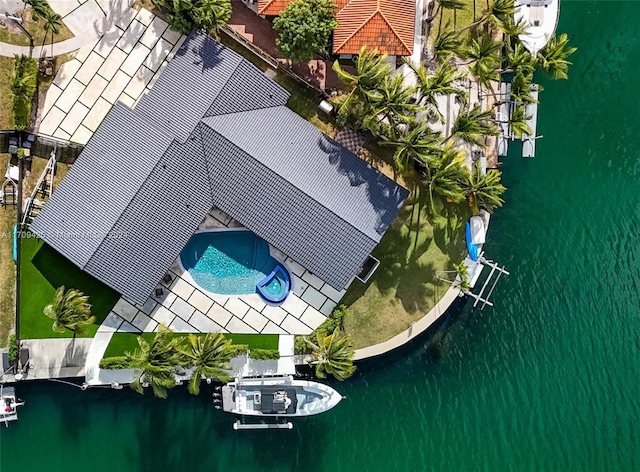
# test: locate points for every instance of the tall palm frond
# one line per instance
(420, 144)
(444, 175)
(447, 45)
(553, 57)
(70, 310)
(209, 355)
(484, 190)
(440, 83)
(473, 125)
(332, 354)
(391, 103)
(154, 362)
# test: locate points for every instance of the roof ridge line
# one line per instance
(357, 29)
(393, 29)
(264, 166)
(160, 130)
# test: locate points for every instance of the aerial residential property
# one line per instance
(222, 218)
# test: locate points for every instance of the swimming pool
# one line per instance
(232, 262)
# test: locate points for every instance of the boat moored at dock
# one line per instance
(541, 18)
(277, 397)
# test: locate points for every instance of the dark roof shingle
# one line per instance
(214, 131)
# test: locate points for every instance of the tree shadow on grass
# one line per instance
(58, 270)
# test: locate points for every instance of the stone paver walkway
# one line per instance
(185, 307)
(120, 66)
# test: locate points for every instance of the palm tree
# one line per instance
(553, 57)
(441, 82)
(332, 354)
(521, 88)
(496, 14)
(473, 125)
(483, 52)
(52, 24)
(444, 174)
(418, 144)
(212, 15)
(484, 190)
(518, 121)
(391, 103)
(69, 310)
(371, 71)
(519, 60)
(446, 45)
(209, 356)
(39, 8)
(513, 29)
(155, 362)
(463, 272)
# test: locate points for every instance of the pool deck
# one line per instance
(187, 308)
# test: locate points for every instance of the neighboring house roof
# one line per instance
(198, 139)
(386, 25)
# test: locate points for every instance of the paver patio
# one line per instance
(186, 307)
(120, 65)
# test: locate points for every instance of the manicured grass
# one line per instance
(6, 69)
(42, 271)
(36, 29)
(458, 19)
(122, 342)
(404, 288)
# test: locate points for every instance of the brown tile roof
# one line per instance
(386, 25)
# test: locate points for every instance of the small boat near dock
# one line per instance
(541, 18)
(9, 405)
(276, 397)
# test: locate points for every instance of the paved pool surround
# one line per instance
(185, 307)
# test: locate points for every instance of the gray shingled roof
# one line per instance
(214, 131)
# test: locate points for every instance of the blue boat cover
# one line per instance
(472, 248)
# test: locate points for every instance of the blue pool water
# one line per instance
(229, 262)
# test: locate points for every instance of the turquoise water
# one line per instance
(227, 262)
(548, 380)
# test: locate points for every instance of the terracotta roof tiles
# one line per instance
(386, 25)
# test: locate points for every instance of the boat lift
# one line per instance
(475, 268)
(506, 108)
(43, 188)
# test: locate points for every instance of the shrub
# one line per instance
(300, 346)
(264, 354)
(334, 321)
(115, 363)
(185, 15)
(23, 86)
(13, 348)
(238, 349)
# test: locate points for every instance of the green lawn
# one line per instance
(404, 288)
(458, 19)
(6, 69)
(42, 271)
(36, 30)
(121, 342)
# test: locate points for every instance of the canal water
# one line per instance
(548, 380)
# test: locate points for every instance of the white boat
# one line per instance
(277, 397)
(9, 405)
(541, 18)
